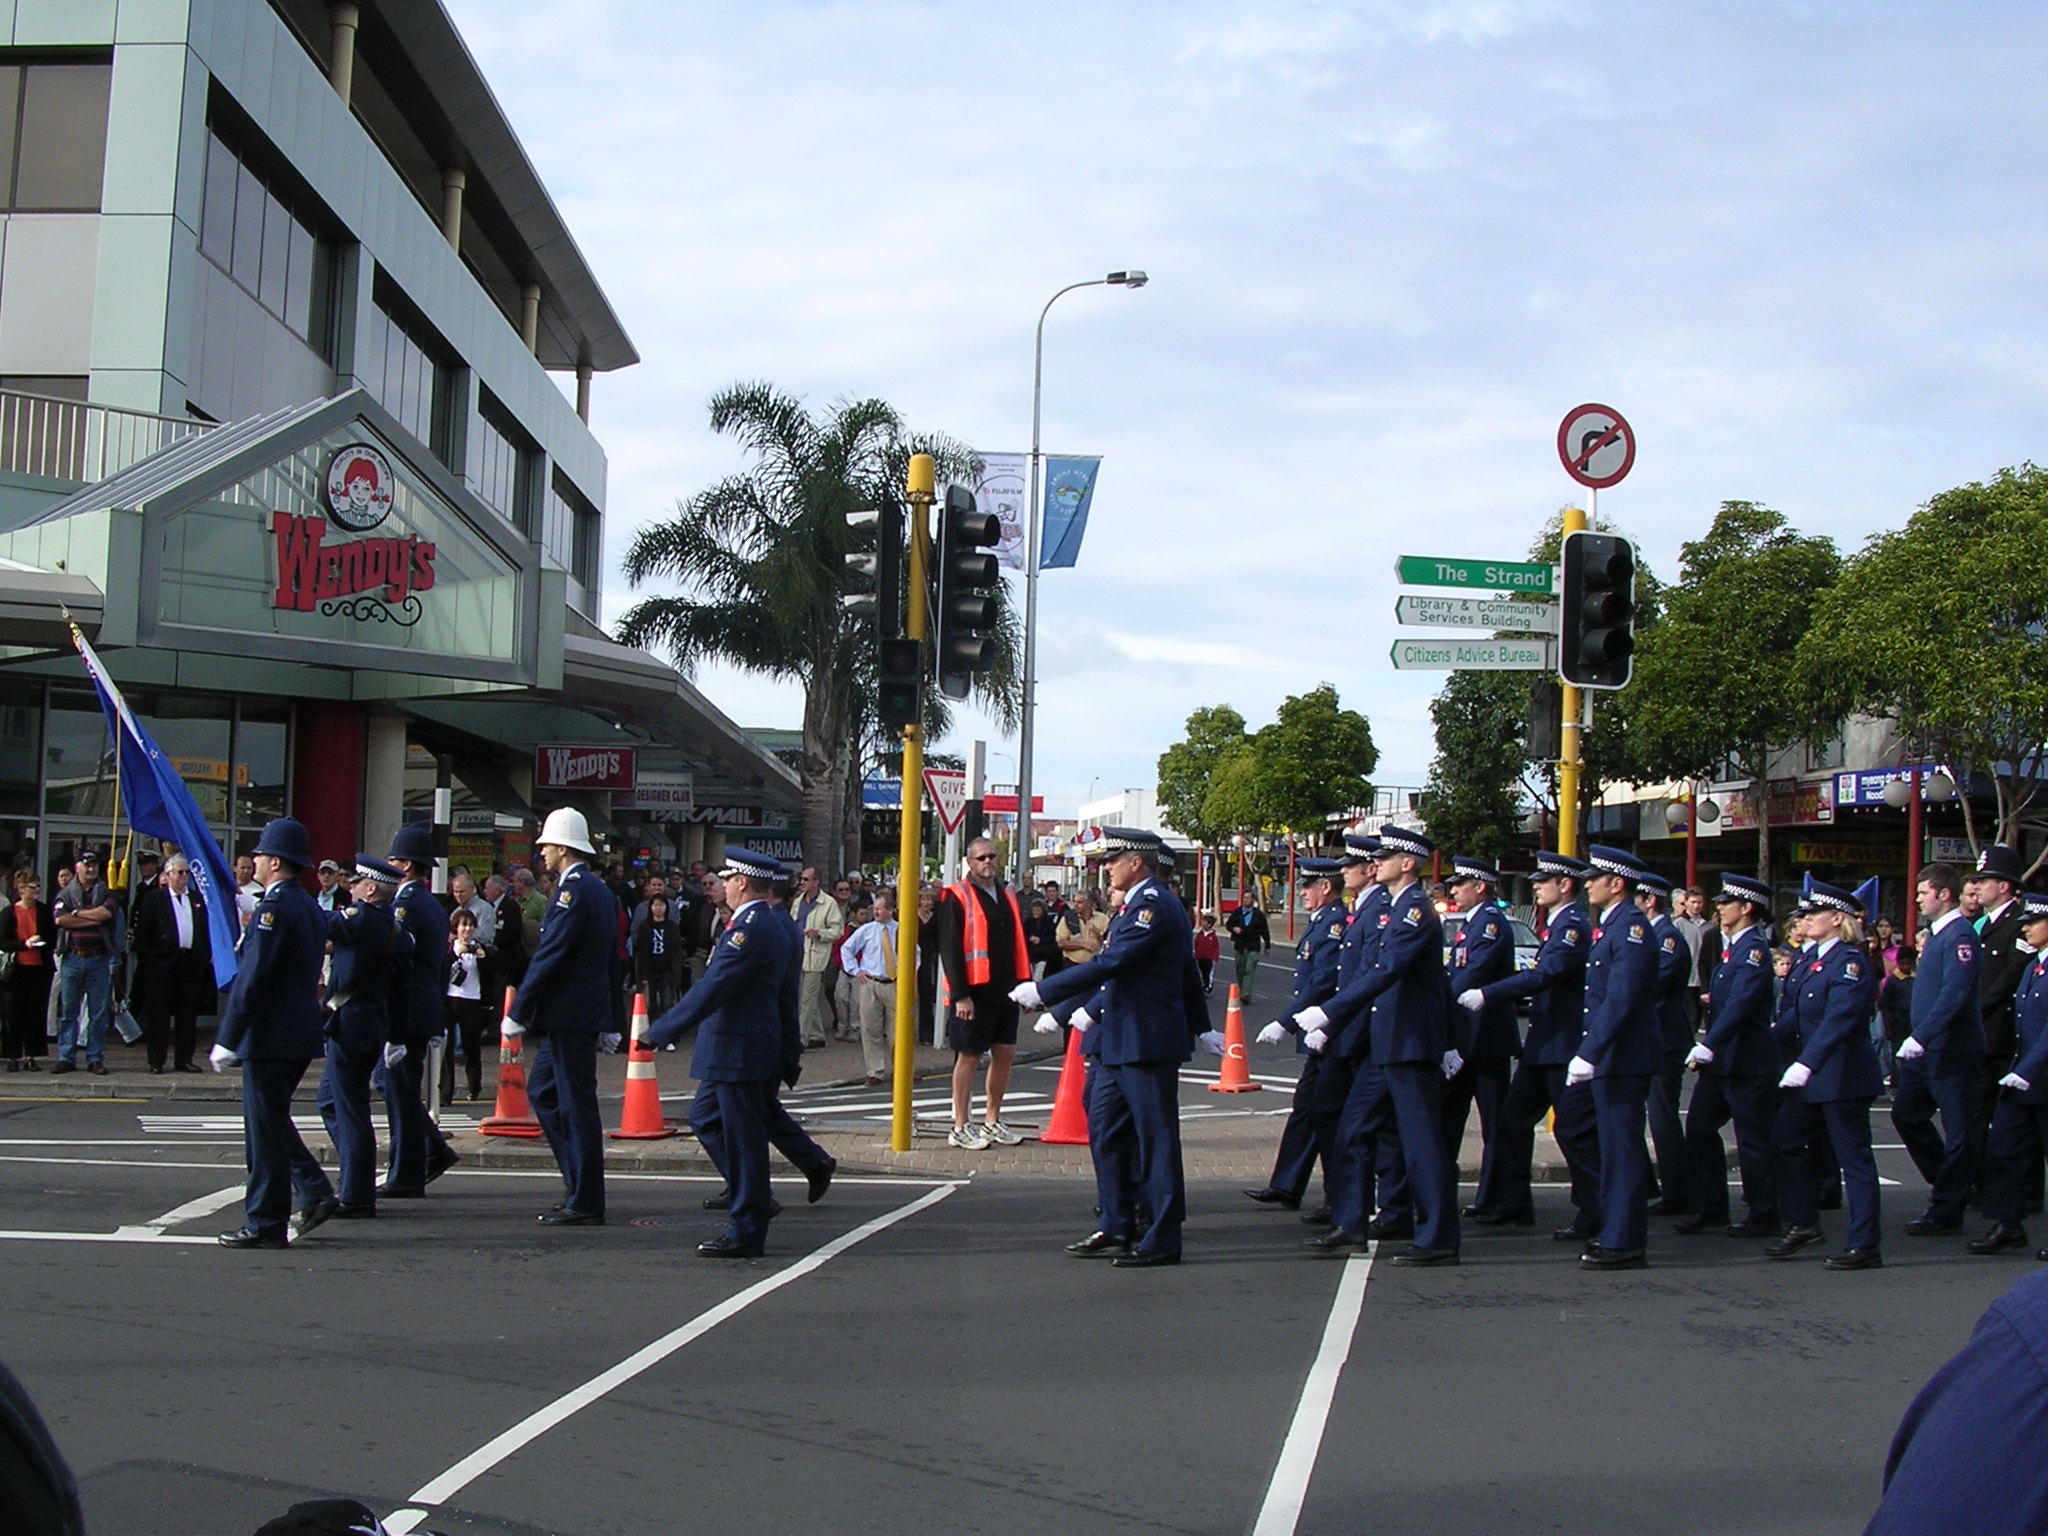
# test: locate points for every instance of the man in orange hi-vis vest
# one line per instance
(979, 930)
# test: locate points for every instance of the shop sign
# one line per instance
(791, 848)
(474, 823)
(1951, 850)
(575, 767)
(1793, 802)
(656, 793)
(1834, 853)
(360, 578)
(1867, 788)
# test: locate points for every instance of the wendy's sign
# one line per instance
(356, 578)
(574, 767)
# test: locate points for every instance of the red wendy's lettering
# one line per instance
(310, 570)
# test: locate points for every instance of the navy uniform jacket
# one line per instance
(1483, 955)
(372, 976)
(1674, 969)
(1947, 1016)
(567, 989)
(1785, 1018)
(2030, 1021)
(1142, 972)
(426, 1008)
(744, 1005)
(1316, 960)
(273, 1009)
(1405, 986)
(1836, 993)
(1739, 1020)
(1622, 1036)
(2003, 960)
(1556, 986)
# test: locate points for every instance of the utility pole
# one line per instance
(918, 492)
(1571, 748)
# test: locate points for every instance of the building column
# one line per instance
(583, 392)
(529, 317)
(327, 776)
(383, 780)
(453, 181)
(343, 18)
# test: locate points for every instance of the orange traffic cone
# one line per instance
(1236, 1076)
(642, 1119)
(513, 1116)
(1069, 1124)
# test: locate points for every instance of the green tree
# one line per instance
(1472, 800)
(1312, 761)
(1236, 801)
(760, 558)
(1716, 681)
(1185, 769)
(1940, 625)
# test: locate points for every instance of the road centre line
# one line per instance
(501, 1447)
(1281, 1511)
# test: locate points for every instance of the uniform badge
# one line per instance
(1852, 970)
(1670, 945)
(565, 898)
(1965, 953)
(1414, 916)
(1386, 918)
(736, 938)
(1755, 957)
(1145, 918)
(1635, 935)
(1461, 952)
(266, 919)
(1570, 936)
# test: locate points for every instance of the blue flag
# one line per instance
(1867, 894)
(160, 805)
(1069, 489)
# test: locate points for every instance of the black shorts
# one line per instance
(994, 1023)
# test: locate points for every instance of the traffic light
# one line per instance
(875, 574)
(901, 664)
(1596, 629)
(966, 580)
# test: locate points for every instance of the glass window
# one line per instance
(217, 215)
(248, 263)
(301, 281)
(10, 121)
(506, 462)
(414, 384)
(277, 246)
(63, 146)
(249, 227)
(260, 743)
(21, 728)
(78, 766)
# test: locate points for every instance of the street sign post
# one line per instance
(1474, 656)
(1597, 446)
(949, 796)
(1478, 575)
(1476, 613)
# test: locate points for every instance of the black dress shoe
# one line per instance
(1695, 1224)
(1750, 1227)
(1427, 1258)
(566, 1217)
(186, 1066)
(1336, 1240)
(1144, 1258)
(245, 1237)
(1666, 1206)
(346, 1212)
(57, 1068)
(1395, 1231)
(1614, 1258)
(391, 1192)
(729, 1248)
(1927, 1226)
(1796, 1237)
(153, 1071)
(1097, 1245)
(722, 1201)
(2000, 1238)
(310, 1216)
(439, 1161)
(1505, 1219)
(1271, 1196)
(1854, 1258)
(821, 1181)
(1319, 1217)
(1573, 1235)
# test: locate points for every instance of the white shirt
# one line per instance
(181, 909)
(1825, 946)
(1941, 922)
(865, 952)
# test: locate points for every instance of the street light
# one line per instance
(1021, 846)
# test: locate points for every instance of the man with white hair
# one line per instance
(171, 943)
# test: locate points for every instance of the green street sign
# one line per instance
(1474, 655)
(1480, 575)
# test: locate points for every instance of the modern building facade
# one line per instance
(296, 363)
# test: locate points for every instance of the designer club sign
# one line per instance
(360, 578)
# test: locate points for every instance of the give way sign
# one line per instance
(949, 796)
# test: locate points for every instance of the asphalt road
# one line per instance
(920, 1355)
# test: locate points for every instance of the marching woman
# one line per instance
(1830, 1083)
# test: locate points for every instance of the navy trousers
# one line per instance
(1667, 1135)
(1846, 1128)
(279, 1164)
(1405, 1099)
(2013, 1151)
(1134, 1131)
(562, 1088)
(1752, 1103)
(1618, 1106)
(731, 1122)
(1366, 1171)
(1534, 1091)
(344, 1101)
(1947, 1084)
(405, 1116)
(1484, 1083)
(1296, 1159)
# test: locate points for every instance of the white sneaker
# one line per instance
(972, 1137)
(1000, 1135)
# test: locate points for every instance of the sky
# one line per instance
(1800, 246)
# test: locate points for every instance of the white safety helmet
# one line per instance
(566, 828)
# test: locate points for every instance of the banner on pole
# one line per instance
(1001, 486)
(1069, 491)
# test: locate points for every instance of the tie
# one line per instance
(889, 952)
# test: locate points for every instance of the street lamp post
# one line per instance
(1021, 845)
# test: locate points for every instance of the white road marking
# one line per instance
(191, 1210)
(85, 1141)
(880, 1180)
(125, 1235)
(497, 1450)
(1281, 1510)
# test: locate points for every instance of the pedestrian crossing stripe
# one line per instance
(221, 1125)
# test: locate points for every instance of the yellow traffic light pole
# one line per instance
(1571, 750)
(918, 492)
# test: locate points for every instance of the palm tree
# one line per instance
(761, 561)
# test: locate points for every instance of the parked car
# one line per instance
(1525, 938)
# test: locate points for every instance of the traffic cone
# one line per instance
(513, 1116)
(1236, 1076)
(642, 1119)
(1069, 1124)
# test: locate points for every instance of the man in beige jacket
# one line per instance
(821, 920)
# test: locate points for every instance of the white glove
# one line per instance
(609, 1043)
(1576, 1071)
(2014, 1080)
(221, 1057)
(1312, 1018)
(1796, 1076)
(1315, 1039)
(1698, 1056)
(1453, 1063)
(510, 1031)
(1273, 1033)
(393, 1055)
(1047, 1025)
(1472, 998)
(1025, 995)
(1212, 1042)
(1081, 1018)
(1911, 1049)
